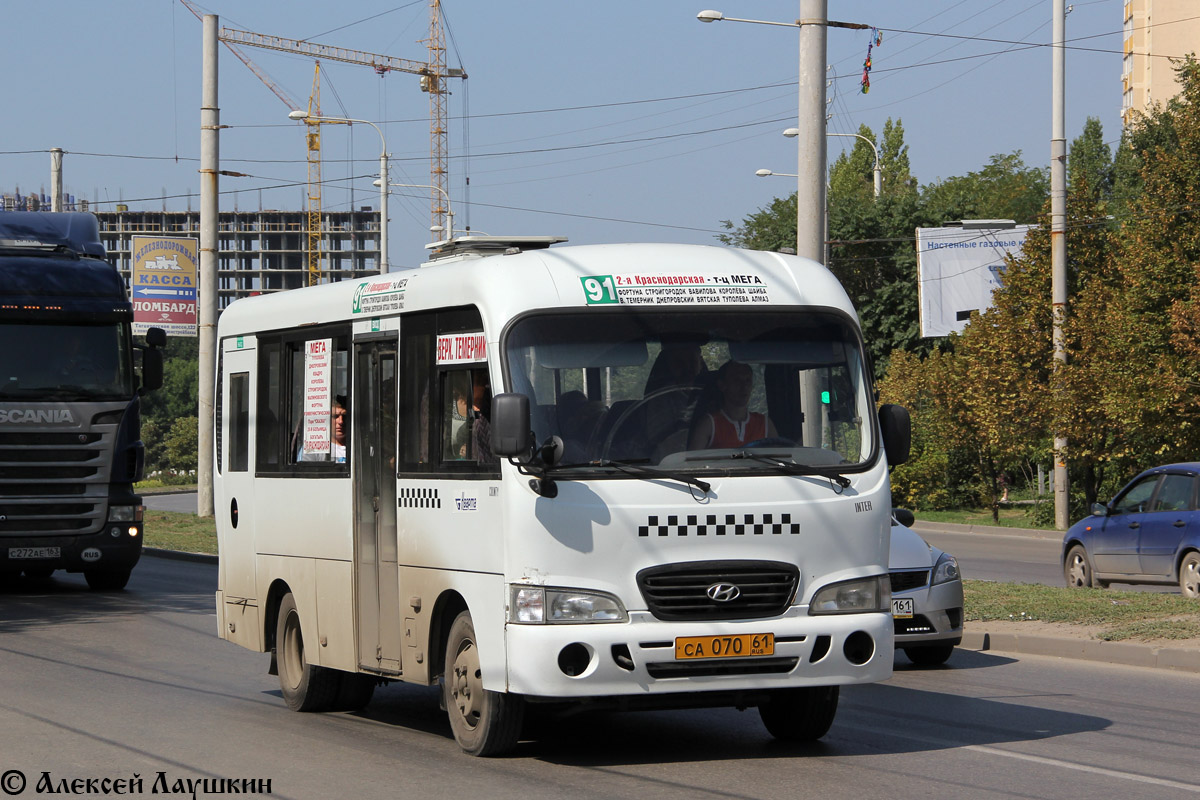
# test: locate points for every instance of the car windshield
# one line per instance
(704, 390)
(65, 362)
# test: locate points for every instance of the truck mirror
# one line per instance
(510, 425)
(152, 367)
(156, 337)
(897, 432)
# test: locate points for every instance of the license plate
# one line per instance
(34, 552)
(735, 646)
(902, 607)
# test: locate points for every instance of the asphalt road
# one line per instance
(112, 685)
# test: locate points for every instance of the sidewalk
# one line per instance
(992, 530)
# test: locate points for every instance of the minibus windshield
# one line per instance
(773, 391)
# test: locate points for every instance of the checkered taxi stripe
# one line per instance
(719, 525)
(419, 498)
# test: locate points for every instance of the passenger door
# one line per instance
(234, 505)
(373, 422)
(1164, 527)
(1116, 543)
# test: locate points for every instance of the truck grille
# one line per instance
(52, 482)
(681, 591)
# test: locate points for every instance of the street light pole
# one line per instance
(304, 116)
(810, 137)
(445, 194)
(1058, 253)
(793, 132)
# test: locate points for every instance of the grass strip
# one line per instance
(1121, 616)
(174, 530)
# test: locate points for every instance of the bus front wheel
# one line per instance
(306, 687)
(800, 715)
(485, 723)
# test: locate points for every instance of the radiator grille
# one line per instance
(680, 591)
(909, 580)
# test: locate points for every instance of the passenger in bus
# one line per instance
(340, 417)
(460, 440)
(733, 424)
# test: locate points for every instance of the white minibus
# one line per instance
(615, 476)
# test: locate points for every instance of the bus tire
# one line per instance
(106, 580)
(484, 723)
(800, 715)
(306, 687)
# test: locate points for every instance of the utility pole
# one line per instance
(1058, 257)
(210, 120)
(810, 139)
(56, 192)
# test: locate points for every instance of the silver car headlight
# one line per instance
(946, 569)
(858, 596)
(537, 605)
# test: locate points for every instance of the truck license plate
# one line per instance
(34, 552)
(902, 607)
(735, 646)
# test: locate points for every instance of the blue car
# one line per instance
(1150, 533)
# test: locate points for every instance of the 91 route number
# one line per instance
(599, 290)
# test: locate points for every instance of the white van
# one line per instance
(638, 475)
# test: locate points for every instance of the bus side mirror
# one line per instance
(510, 432)
(897, 432)
(904, 517)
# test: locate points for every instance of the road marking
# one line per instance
(1051, 762)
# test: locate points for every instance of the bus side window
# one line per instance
(239, 422)
(417, 342)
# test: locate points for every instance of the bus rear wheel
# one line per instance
(306, 687)
(484, 723)
(800, 715)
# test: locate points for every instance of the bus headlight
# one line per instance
(537, 605)
(858, 596)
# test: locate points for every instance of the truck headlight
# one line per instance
(858, 596)
(125, 513)
(946, 569)
(537, 605)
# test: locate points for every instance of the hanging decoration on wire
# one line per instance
(875, 41)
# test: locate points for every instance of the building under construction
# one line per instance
(257, 251)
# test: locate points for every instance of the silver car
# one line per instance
(927, 598)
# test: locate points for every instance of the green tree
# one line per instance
(1004, 189)
(1089, 164)
(182, 445)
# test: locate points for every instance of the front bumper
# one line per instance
(636, 659)
(937, 616)
(92, 551)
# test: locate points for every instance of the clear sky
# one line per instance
(626, 120)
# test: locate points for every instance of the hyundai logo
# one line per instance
(723, 592)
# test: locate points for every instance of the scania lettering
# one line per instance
(554, 487)
(70, 447)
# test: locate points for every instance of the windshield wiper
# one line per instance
(794, 468)
(638, 471)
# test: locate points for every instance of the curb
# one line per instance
(956, 527)
(1181, 659)
(179, 555)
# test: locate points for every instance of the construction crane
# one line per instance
(433, 75)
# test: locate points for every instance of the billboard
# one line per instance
(163, 284)
(957, 270)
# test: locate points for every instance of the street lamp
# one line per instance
(810, 144)
(766, 173)
(449, 212)
(304, 116)
(793, 132)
